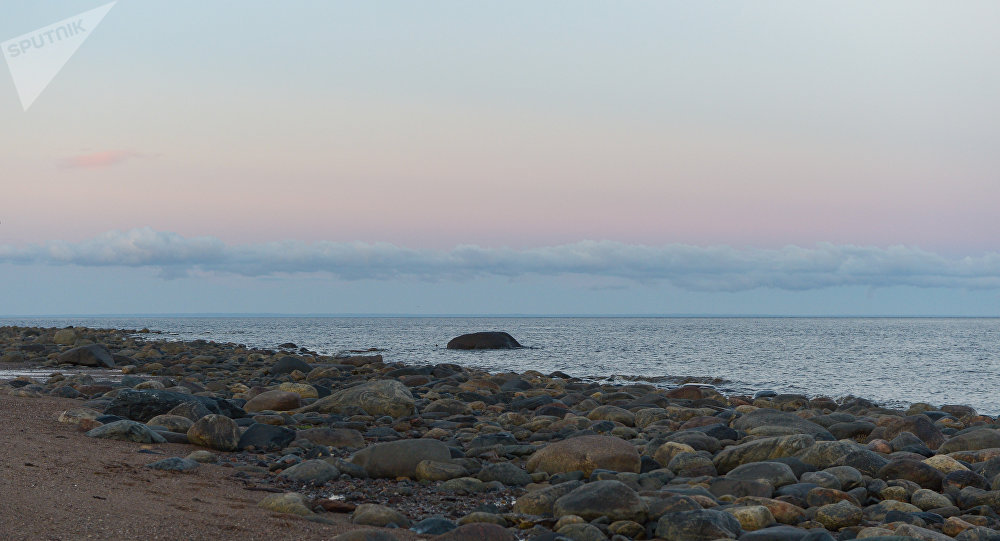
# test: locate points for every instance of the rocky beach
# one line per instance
(121, 434)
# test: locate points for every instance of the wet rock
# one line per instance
(126, 430)
(215, 432)
(484, 340)
(90, 355)
(381, 397)
(400, 458)
(586, 453)
(612, 499)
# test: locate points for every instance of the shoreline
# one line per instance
(490, 445)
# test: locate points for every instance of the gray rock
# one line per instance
(312, 472)
(505, 472)
(90, 355)
(126, 430)
(776, 473)
(381, 397)
(400, 458)
(540, 502)
(370, 514)
(264, 437)
(145, 404)
(215, 432)
(699, 525)
(612, 499)
(787, 420)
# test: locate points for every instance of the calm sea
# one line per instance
(891, 360)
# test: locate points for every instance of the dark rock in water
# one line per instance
(484, 340)
(146, 404)
(767, 393)
(288, 345)
(266, 437)
(91, 355)
(434, 526)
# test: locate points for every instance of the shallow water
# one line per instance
(892, 360)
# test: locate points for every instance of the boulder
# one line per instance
(126, 430)
(477, 531)
(913, 470)
(586, 453)
(311, 472)
(273, 401)
(381, 397)
(289, 364)
(838, 515)
(173, 423)
(540, 502)
(919, 425)
(262, 437)
(144, 405)
(698, 525)
(215, 432)
(484, 340)
(400, 458)
(776, 473)
(761, 450)
(789, 421)
(371, 514)
(289, 502)
(90, 355)
(974, 440)
(612, 499)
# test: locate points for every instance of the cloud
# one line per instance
(96, 160)
(696, 268)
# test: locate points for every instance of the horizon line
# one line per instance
(388, 315)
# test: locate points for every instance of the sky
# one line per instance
(556, 157)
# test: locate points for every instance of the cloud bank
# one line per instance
(695, 268)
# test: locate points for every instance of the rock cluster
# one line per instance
(566, 458)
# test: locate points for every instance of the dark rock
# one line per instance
(312, 472)
(288, 364)
(612, 499)
(699, 525)
(262, 437)
(126, 430)
(215, 432)
(399, 458)
(787, 420)
(146, 404)
(90, 355)
(484, 340)
(434, 526)
(913, 470)
(540, 502)
(478, 531)
(504, 472)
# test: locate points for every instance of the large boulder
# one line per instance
(612, 499)
(484, 340)
(586, 453)
(766, 417)
(912, 470)
(263, 437)
(381, 397)
(920, 426)
(273, 401)
(400, 458)
(145, 404)
(699, 525)
(761, 450)
(215, 432)
(90, 355)
(974, 440)
(126, 430)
